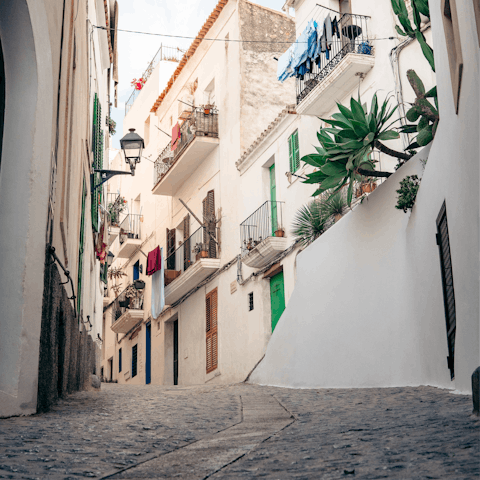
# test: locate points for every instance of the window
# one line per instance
(210, 223)
(294, 152)
(454, 48)
(209, 94)
(212, 331)
(250, 301)
(345, 6)
(443, 242)
(134, 360)
(119, 360)
(147, 130)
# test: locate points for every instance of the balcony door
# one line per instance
(273, 199)
(148, 354)
(175, 352)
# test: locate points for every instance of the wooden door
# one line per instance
(170, 249)
(175, 352)
(210, 223)
(277, 298)
(273, 199)
(186, 242)
(211, 330)
(148, 354)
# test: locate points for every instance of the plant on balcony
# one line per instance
(111, 124)
(407, 193)
(200, 250)
(335, 205)
(309, 222)
(344, 155)
(138, 84)
(115, 209)
(135, 297)
(115, 274)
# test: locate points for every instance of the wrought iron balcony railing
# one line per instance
(199, 245)
(130, 227)
(266, 221)
(129, 299)
(199, 124)
(353, 38)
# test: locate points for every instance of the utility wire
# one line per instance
(216, 39)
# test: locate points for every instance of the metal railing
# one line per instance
(266, 221)
(164, 53)
(130, 227)
(199, 124)
(352, 38)
(123, 303)
(198, 245)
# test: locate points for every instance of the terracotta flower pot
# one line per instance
(280, 232)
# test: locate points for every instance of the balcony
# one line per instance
(350, 58)
(199, 139)
(127, 310)
(188, 265)
(262, 235)
(130, 235)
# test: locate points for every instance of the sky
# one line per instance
(174, 17)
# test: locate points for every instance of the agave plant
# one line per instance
(335, 204)
(421, 109)
(418, 7)
(344, 154)
(309, 222)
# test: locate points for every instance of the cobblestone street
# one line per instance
(246, 431)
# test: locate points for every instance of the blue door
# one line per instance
(136, 271)
(148, 356)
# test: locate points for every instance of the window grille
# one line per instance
(134, 360)
(250, 301)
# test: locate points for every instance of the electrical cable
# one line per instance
(215, 39)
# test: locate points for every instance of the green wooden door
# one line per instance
(277, 298)
(273, 198)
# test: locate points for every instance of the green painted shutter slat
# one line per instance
(296, 150)
(97, 147)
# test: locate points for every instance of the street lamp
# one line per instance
(110, 258)
(132, 145)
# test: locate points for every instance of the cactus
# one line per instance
(418, 7)
(423, 111)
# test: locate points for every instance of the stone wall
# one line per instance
(262, 97)
(67, 351)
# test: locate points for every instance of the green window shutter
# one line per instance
(97, 146)
(294, 152)
(103, 273)
(81, 249)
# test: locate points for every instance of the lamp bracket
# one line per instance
(106, 175)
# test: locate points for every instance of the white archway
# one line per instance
(24, 186)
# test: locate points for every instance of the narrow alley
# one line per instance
(246, 431)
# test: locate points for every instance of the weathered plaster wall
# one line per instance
(261, 96)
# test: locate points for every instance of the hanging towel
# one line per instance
(154, 262)
(158, 289)
(328, 31)
(176, 135)
(335, 28)
(284, 69)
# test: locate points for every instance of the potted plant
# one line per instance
(111, 124)
(135, 297)
(124, 303)
(207, 109)
(280, 232)
(200, 250)
(368, 186)
(139, 284)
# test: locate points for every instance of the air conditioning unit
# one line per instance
(185, 107)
